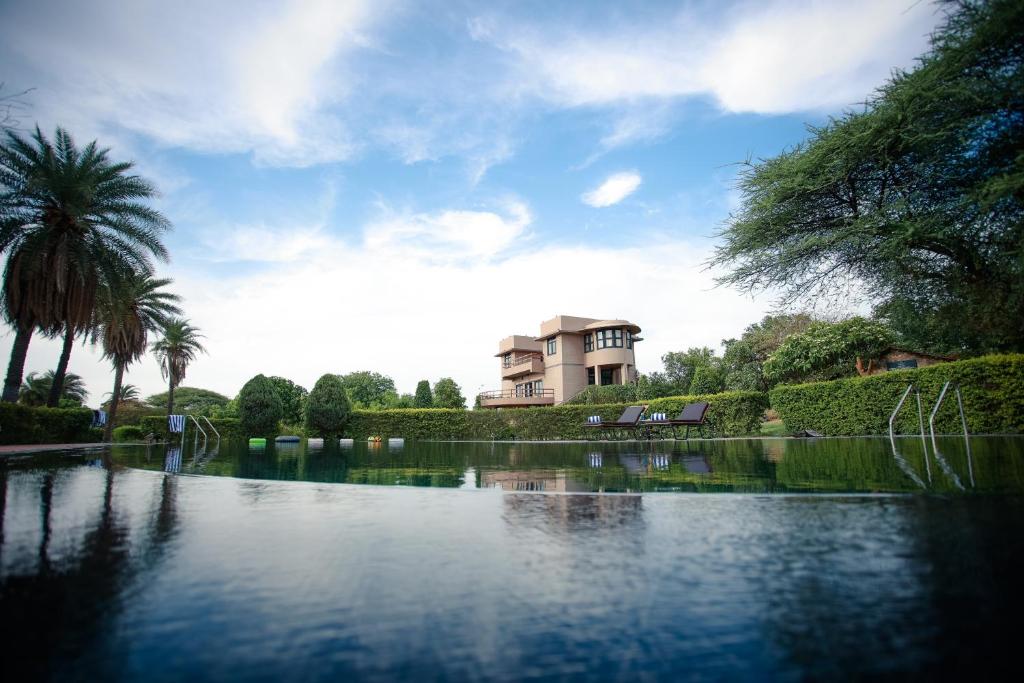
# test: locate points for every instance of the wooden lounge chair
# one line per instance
(627, 422)
(692, 415)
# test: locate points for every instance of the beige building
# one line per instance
(569, 354)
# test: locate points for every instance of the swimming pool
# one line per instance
(800, 561)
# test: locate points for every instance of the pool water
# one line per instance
(284, 565)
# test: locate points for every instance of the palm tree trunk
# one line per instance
(115, 398)
(57, 388)
(170, 394)
(16, 366)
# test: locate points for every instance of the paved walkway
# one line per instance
(40, 448)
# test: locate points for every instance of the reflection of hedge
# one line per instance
(992, 387)
(731, 414)
(27, 425)
(227, 426)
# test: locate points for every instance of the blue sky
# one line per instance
(395, 186)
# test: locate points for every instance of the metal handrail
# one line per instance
(963, 421)
(920, 419)
(212, 427)
(200, 428)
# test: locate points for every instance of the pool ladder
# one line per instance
(943, 464)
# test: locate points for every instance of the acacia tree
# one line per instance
(125, 315)
(917, 200)
(175, 351)
(72, 221)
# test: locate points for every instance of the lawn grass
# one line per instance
(773, 428)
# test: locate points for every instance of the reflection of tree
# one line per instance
(63, 610)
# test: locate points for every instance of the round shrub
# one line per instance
(129, 433)
(327, 408)
(259, 408)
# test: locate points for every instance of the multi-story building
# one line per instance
(570, 354)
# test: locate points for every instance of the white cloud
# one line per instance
(450, 235)
(218, 77)
(760, 57)
(613, 190)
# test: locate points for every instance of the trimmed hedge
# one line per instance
(731, 414)
(229, 427)
(992, 388)
(129, 433)
(29, 425)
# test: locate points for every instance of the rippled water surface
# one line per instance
(113, 569)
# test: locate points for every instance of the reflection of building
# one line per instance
(570, 354)
(551, 481)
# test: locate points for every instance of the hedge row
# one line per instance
(28, 425)
(157, 425)
(731, 414)
(992, 388)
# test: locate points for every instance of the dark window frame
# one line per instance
(588, 343)
(552, 346)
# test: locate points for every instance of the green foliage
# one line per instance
(192, 400)
(827, 350)
(730, 414)
(612, 393)
(369, 389)
(20, 424)
(992, 387)
(259, 408)
(917, 197)
(36, 389)
(680, 366)
(229, 428)
(328, 408)
(448, 394)
(707, 379)
(129, 433)
(293, 399)
(424, 397)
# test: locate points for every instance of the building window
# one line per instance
(506, 360)
(538, 387)
(590, 376)
(901, 364)
(552, 347)
(608, 375)
(629, 339)
(588, 343)
(609, 339)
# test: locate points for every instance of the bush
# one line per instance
(992, 388)
(731, 414)
(424, 398)
(328, 407)
(608, 393)
(259, 407)
(707, 379)
(129, 433)
(20, 424)
(448, 394)
(228, 427)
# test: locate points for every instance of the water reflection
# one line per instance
(866, 465)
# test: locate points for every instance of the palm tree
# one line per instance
(129, 392)
(36, 389)
(124, 317)
(175, 351)
(71, 221)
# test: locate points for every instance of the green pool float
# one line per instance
(257, 442)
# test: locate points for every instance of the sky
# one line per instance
(396, 186)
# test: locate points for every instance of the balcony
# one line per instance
(521, 398)
(522, 365)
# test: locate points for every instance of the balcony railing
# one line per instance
(518, 393)
(520, 360)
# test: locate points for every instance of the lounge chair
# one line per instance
(692, 415)
(627, 422)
